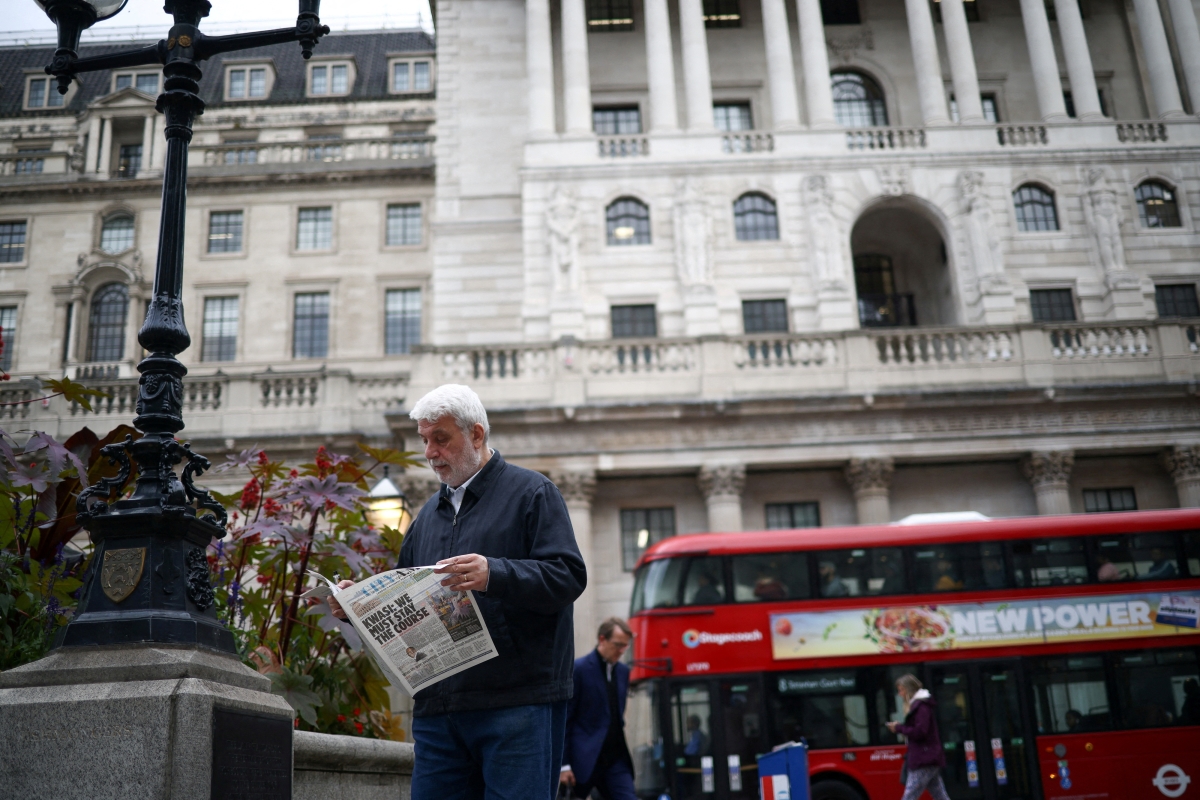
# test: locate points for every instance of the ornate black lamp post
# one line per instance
(150, 581)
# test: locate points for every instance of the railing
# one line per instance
(289, 391)
(97, 372)
(885, 138)
(886, 310)
(31, 164)
(747, 143)
(780, 351)
(1141, 132)
(1017, 135)
(944, 347)
(15, 402)
(640, 355)
(121, 399)
(380, 149)
(1088, 341)
(623, 146)
(495, 363)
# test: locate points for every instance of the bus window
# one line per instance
(1145, 557)
(1070, 695)
(705, 584)
(691, 717)
(826, 707)
(1049, 562)
(954, 567)
(770, 576)
(645, 739)
(1191, 551)
(1159, 688)
(657, 584)
(851, 573)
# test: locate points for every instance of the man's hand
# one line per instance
(464, 573)
(335, 605)
(567, 777)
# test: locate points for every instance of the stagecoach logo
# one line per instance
(1171, 780)
(694, 638)
(121, 572)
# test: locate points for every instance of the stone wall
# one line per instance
(328, 767)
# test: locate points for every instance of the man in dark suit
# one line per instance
(596, 756)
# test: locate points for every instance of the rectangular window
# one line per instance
(402, 320)
(835, 708)
(1158, 688)
(705, 582)
(400, 77)
(657, 583)
(732, 116)
(225, 232)
(8, 334)
(642, 527)
(320, 80)
(258, 83)
(314, 229)
(958, 567)
(1049, 562)
(609, 15)
(148, 83)
(840, 12)
(1142, 556)
(722, 14)
(762, 316)
(310, 339)
(129, 160)
(1070, 695)
(634, 321)
(12, 242)
(1177, 300)
(991, 111)
(422, 77)
(781, 516)
(37, 93)
(30, 164)
(1052, 305)
(1095, 500)
(237, 83)
(403, 224)
(242, 155)
(124, 82)
(326, 147)
(765, 577)
(339, 75)
(220, 329)
(617, 120)
(854, 573)
(1191, 552)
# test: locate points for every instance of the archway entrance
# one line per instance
(900, 270)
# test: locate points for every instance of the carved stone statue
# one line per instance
(1103, 214)
(692, 235)
(824, 234)
(986, 255)
(562, 222)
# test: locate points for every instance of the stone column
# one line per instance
(1041, 58)
(148, 143)
(871, 480)
(722, 486)
(962, 62)
(539, 66)
(925, 59)
(660, 68)
(1079, 60)
(1050, 473)
(577, 77)
(91, 158)
(73, 328)
(781, 75)
(578, 487)
(104, 164)
(160, 151)
(1183, 462)
(1167, 101)
(818, 92)
(1187, 42)
(697, 81)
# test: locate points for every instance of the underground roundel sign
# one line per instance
(1171, 780)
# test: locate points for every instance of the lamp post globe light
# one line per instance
(387, 505)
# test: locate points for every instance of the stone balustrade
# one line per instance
(395, 148)
(885, 139)
(623, 146)
(32, 164)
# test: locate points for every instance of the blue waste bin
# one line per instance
(783, 774)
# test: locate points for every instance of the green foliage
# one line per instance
(73, 392)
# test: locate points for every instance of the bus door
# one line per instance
(718, 728)
(984, 731)
(693, 768)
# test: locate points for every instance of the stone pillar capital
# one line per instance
(578, 487)
(1048, 467)
(1183, 462)
(868, 476)
(719, 480)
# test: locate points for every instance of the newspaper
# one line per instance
(418, 631)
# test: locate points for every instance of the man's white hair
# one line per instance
(453, 400)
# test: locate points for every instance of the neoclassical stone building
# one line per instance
(712, 264)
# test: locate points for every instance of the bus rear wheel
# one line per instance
(834, 790)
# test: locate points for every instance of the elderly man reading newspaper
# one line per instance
(502, 532)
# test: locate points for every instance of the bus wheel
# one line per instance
(834, 790)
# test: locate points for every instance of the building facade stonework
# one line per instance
(701, 276)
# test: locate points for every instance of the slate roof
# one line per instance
(370, 51)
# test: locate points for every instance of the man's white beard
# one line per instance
(462, 471)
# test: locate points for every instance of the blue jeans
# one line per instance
(498, 754)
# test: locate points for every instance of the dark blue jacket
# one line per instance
(518, 520)
(587, 714)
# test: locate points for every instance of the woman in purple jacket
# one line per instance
(925, 757)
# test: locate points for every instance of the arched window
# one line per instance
(754, 217)
(106, 331)
(857, 101)
(1157, 206)
(117, 234)
(628, 221)
(1035, 209)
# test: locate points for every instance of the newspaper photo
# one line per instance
(418, 631)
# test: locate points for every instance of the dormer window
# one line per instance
(144, 82)
(412, 76)
(43, 93)
(248, 82)
(330, 79)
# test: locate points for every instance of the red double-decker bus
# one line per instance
(1062, 653)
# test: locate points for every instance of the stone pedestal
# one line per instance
(143, 722)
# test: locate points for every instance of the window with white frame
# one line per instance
(220, 329)
(116, 235)
(248, 82)
(314, 229)
(330, 79)
(402, 320)
(43, 93)
(8, 336)
(403, 224)
(144, 82)
(412, 76)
